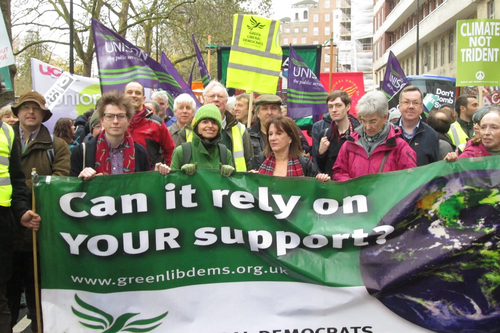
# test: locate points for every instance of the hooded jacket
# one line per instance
(150, 132)
(474, 150)
(353, 160)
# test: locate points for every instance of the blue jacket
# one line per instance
(425, 143)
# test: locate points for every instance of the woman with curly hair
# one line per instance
(65, 130)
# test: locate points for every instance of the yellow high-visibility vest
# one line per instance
(6, 142)
(256, 56)
(238, 152)
(458, 136)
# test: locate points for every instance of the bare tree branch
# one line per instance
(39, 42)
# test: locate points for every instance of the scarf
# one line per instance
(294, 168)
(103, 161)
(336, 136)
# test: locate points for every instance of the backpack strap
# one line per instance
(223, 153)
(187, 150)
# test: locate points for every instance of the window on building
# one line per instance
(435, 55)
(327, 57)
(294, 41)
(491, 9)
(408, 25)
(443, 51)
(450, 47)
(429, 57)
(306, 15)
(296, 30)
(375, 23)
(315, 42)
(390, 40)
(316, 18)
(407, 66)
(287, 30)
(436, 4)
(412, 62)
(285, 41)
(296, 16)
(303, 40)
(423, 62)
(327, 17)
(315, 31)
(327, 3)
(414, 20)
(327, 31)
(429, 10)
(304, 30)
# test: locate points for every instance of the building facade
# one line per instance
(395, 29)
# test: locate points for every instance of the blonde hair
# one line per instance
(6, 110)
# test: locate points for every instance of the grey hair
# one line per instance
(7, 109)
(184, 99)
(213, 84)
(160, 94)
(373, 102)
(155, 105)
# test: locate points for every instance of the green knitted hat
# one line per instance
(94, 120)
(207, 111)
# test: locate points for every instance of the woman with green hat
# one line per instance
(202, 149)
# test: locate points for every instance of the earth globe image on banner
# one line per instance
(440, 268)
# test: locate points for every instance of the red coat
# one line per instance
(474, 150)
(353, 161)
(150, 131)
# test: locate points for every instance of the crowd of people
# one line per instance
(126, 134)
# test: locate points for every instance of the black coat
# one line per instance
(141, 158)
(10, 216)
(327, 160)
(425, 143)
(307, 166)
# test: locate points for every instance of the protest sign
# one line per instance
(352, 83)
(478, 46)
(394, 78)
(6, 55)
(260, 254)
(80, 97)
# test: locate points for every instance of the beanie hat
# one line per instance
(94, 120)
(35, 97)
(209, 111)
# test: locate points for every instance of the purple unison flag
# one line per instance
(169, 67)
(306, 95)
(190, 78)
(205, 76)
(120, 62)
(394, 78)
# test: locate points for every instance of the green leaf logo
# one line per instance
(108, 37)
(255, 24)
(97, 319)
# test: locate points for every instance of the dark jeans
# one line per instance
(4, 310)
(22, 277)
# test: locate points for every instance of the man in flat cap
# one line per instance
(50, 156)
(267, 107)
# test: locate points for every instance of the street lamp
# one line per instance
(71, 29)
(418, 23)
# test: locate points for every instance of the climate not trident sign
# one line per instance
(478, 46)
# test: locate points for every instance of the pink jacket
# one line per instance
(474, 150)
(353, 161)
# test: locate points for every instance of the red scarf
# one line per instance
(336, 137)
(103, 161)
(294, 168)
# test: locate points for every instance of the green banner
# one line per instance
(478, 46)
(412, 250)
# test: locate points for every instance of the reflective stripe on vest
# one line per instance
(6, 142)
(256, 56)
(458, 136)
(238, 152)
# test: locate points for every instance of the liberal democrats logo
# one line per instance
(97, 319)
(254, 24)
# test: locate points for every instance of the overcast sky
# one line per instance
(282, 8)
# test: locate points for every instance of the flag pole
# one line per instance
(250, 110)
(34, 178)
(331, 65)
(208, 58)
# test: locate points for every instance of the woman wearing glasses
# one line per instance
(374, 147)
(113, 151)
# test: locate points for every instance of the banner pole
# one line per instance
(34, 177)
(250, 110)
(480, 96)
(331, 65)
(208, 58)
